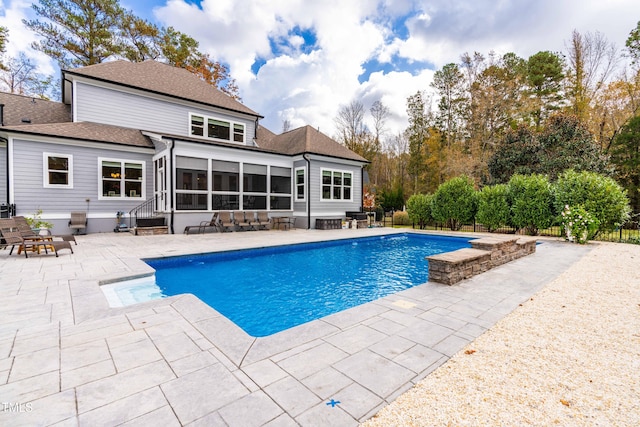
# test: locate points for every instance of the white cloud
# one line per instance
(20, 37)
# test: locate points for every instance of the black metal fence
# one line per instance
(628, 233)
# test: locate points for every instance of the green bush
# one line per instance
(454, 202)
(493, 207)
(419, 209)
(531, 201)
(401, 218)
(599, 195)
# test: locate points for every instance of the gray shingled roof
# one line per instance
(161, 78)
(308, 140)
(86, 131)
(21, 110)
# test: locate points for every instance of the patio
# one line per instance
(66, 357)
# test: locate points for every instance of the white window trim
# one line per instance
(205, 131)
(304, 184)
(322, 171)
(45, 170)
(122, 196)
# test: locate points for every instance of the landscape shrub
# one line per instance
(599, 195)
(531, 202)
(419, 209)
(578, 224)
(401, 218)
(493, 207)
(454, 202)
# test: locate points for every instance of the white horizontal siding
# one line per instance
(119, 108)
(320, 207)
(30, 194)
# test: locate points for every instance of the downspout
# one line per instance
(173, 145)
(304, 156)
(6, 154)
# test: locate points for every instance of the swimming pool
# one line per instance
(268, 290)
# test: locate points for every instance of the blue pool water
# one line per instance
(268, 290)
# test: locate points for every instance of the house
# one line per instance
(132, 136)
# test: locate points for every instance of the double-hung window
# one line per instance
(336, 185)
(58, 170)
(121, 178)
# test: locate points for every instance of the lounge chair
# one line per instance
(225, 222)
(27, 233)
(14, 238)
(78, 222)
(203, 226)
(263, 222)
(241, 220)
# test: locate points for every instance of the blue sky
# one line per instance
(300, 60)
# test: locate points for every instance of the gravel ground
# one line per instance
(570, 356)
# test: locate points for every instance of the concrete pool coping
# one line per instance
(178, 361)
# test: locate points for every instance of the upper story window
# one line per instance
(216, 128)
(121, 178)
(336, 185)
(58, 170)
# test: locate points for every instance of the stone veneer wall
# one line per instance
(485, 253)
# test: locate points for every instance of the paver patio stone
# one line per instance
(327, 382)
(125, 409)
(84, 354)
(356, 338)
(193, 362)
(35, 363)
(87, 374)
(451, 345)
(29, 343)
(311, 361)
(392, 346)
(49, 410)
(291, 395)
(31, 388)
(358, 401)
(253, 410)
(160, 417)
(194, 395)
(323, 415)
(127, 383)
(176, 346)
(135, 354)
(264, 372)
(417, 358)
(374, 372)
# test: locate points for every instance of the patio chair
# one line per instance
(204, 225)
(78, 222)
(225, 222)
(241, 220)
(27, 232)
(14, 238)
(263, 221)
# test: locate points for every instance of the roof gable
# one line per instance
(307, 139)
(157, 77)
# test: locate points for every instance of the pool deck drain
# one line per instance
(67, 357)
